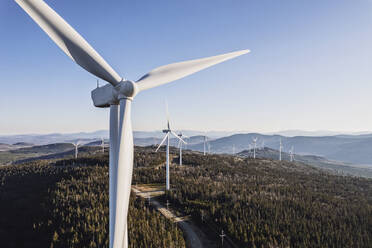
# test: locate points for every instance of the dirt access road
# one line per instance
(191, 232)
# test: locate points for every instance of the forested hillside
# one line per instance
(258, 203)
(267, 203)
(46, 205)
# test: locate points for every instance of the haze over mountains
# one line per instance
(316, 161)
(40, 139)
(355, 149)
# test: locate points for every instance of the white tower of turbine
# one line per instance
(205, 144)
(118, 96)
(291, 154)
(280, 149)
(180, 144)
(103, 144)
(254, 147)
(76, 145)
(168, 132)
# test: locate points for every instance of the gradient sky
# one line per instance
(310, 65)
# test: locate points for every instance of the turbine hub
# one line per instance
(126, 89)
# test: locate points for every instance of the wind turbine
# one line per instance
(119, 92)
(280, 149)
(180, 145)
(168, 132)
(76, 145)
(291, 154)
(254, 147)
(103, 144)
(205, 144)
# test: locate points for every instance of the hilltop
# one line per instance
(257, 202)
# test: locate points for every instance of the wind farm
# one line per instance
(263, 150)
(118, 92)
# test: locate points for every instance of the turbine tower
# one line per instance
(76, 145)
(291, 154)
(168, 132)
(280, 149)
(254, 147)
(180, 145)
(118, 96)
(205, 143)
(103, 144)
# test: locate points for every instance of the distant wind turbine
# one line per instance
(291, 154)
(168, 132)
(103, 144)
(205, 143)
(119, 92)
(180, 144)
(254, 147)
(280, 149)
(76, 145)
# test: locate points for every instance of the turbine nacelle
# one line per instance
(108, 94)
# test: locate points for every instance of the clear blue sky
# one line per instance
(310, 65)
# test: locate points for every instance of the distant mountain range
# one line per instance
(316, 161)
(338, 149)
(7, 147)
(356, 149)
(85, 137)
(292, 133)
(66, 150)
(41, 139)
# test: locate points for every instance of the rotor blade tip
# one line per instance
(245, 51)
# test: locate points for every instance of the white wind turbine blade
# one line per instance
(172, 72)
(185, 136)
(71, 43)
(162, 142)
(178, 137)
